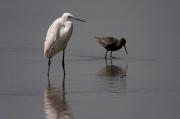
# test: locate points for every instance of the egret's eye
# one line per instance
(69, 17)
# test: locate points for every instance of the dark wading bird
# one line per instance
(58, 36)
(111, 44)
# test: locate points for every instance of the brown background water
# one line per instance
(144, 84)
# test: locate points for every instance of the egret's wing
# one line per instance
(52, 35)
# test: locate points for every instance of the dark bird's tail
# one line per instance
(97, 37)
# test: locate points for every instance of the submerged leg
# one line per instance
(106, 54)
(111, 54)
(63, 86)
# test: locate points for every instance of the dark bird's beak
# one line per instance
(79, 19)
(125, 49)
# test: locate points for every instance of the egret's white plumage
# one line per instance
(58, 36)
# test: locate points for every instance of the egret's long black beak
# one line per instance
(79, 19)
(125, 49)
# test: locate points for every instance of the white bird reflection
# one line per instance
(55, 104)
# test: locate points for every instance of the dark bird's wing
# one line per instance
(106, 41)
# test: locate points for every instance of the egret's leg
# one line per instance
(63, 82)
(63, 87)
(63, 58)
(106, 54)
(63, 63)
(49, 63)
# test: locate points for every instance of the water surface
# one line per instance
(144, 84)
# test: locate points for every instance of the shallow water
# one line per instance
(143, 84)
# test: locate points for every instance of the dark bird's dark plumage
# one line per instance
(111, 44)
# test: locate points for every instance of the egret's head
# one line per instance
(67, 16)
(70, 17)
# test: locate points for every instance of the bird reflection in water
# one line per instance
(111, 70)
(55, 104)
(114, 77)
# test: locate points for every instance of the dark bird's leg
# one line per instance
(111, 61)
(106, 54)
(106, 65)
(111, 55)
(106, 62)
(63, 63)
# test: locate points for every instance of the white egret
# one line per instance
(111, 44)
(58, 36)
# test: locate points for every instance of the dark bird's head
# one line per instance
(123, 42)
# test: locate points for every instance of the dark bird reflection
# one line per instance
(55, 104)
(114, 77)
(111, 70)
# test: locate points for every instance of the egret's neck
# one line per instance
(68, 25)
(66, 30)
